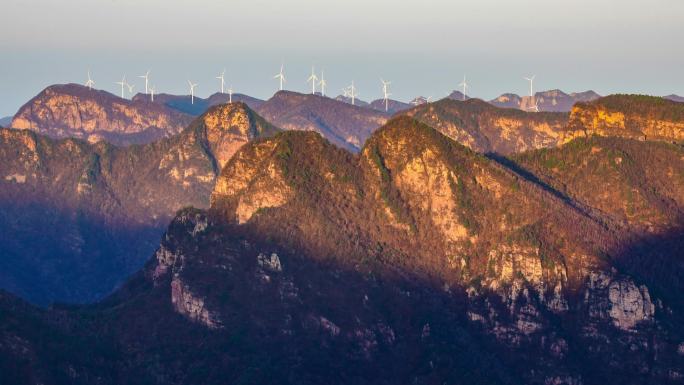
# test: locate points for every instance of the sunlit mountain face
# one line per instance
(281, 192)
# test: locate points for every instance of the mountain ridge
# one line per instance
(72, 110)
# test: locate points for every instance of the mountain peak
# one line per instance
(73, 110)
(229, 126)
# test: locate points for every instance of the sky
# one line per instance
(424, 47)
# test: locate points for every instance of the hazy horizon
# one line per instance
(425, 49)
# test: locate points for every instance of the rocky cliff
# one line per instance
(79, 217)
(75, 111)
(485, 128)
(631, 116)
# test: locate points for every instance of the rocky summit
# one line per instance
(416, 260)
(77, 218)
(75, 111)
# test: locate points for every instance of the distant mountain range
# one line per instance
(393, 106)
(198, 106)
(6, 121)
(675, 98)
(343, 124)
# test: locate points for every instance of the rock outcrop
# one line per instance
(631, 116)
(485, 128)
(75, 111)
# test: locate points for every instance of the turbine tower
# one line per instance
(152, 92)
(351, 92)
(464, 84)
(323, 83)
(534, 106)
(90, 83)
(230, 94)
(385, 93)
(313, 79)
(281, 76)
(221, 77)
(192, 91)
(147, 79)
(122, 83)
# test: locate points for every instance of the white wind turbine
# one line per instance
(351, 93)
(122, 83)
(130, 88)
(230, 94)
(464, 84)
(152, 92)
(90, 83)
(534, 106)
(280, 76)
(385, 93)
(323, 83)
(312, 79)
(147, 79)
(192, 91)
(221, 77)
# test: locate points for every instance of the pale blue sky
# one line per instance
(424, 47)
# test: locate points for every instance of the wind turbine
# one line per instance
(152, 92)
(534, 106)
(281, 77)
(90, 83)
(130, 88)
(222, 79)
(352, 93)
(464, 84)
(122, 83)
(323, 83)
(147, 79)
(385, 93)
(312, 79)
(192, 91)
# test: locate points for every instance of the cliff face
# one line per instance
(78, 217)
(413, 201)
(75, 111)
(631, 116)
(342, 124)
(485, 128)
